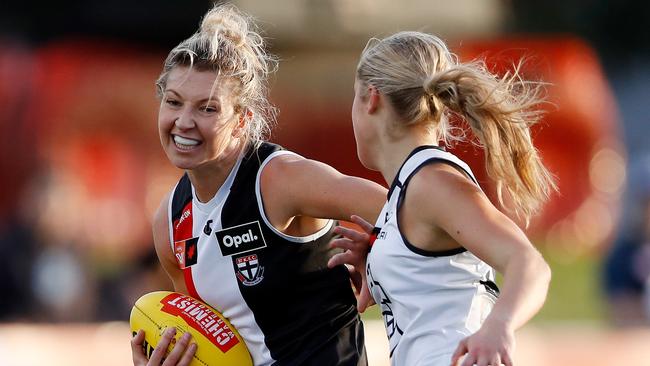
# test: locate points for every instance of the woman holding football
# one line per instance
(247, 227)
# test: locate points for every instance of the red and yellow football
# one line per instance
(218, 342)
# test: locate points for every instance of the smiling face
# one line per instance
(198, 120)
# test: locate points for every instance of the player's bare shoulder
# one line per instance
(441, 181)
(282, 168)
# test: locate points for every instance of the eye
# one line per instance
(172, 102)
(209, 109)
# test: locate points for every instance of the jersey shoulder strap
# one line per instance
(424, 155)
(250, 165)
(181, 196)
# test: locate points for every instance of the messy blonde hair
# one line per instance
(229, 44)
(425, 83)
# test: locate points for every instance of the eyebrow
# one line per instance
(204, 100)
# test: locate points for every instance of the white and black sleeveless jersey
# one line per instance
(429, 300)
(276, 289)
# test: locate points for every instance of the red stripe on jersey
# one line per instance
(189, 283)
(183, 230)
(183, 225)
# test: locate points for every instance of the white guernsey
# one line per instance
(429, 300)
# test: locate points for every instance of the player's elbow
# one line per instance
(531, 265)
(542, 271)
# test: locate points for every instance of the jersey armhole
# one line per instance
(260, 204)
(402, 195)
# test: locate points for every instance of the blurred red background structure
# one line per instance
(17, 147)
(95, 112)
(580, 138)
(87, 116)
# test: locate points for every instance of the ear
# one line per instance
(244, 117)
(374, 99)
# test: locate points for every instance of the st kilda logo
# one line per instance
(240, 239)
(249, 270)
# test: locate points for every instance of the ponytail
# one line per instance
(425, 82)
(499, 112)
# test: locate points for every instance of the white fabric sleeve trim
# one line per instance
(260, 204)
(417, 159)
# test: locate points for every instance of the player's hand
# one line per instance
(355, 245)
(493, 344)
(181, 354)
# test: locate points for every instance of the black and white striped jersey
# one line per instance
(429, 300)
(276, 290)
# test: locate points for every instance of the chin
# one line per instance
(181, 162)
(370, 167)
(366, 161)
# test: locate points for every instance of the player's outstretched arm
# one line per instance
(297, 186)
(293, 186)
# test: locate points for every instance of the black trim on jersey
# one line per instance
(400, 200)
(432, 253)
(255, 156)
(440, 160)
(181, 196)
(395, 181)
(491, 287)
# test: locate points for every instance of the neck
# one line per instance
(393, 152)
(209, 177)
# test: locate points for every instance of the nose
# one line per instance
(184, 120)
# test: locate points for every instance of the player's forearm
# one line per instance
(523, 292)
(367, 199)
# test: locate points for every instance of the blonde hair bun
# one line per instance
(226, 22)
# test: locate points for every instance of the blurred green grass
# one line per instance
(574, 294)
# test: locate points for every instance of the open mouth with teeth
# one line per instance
(185, 143)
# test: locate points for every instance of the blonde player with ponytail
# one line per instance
(436, 244)
(247, 227)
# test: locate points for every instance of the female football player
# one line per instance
(247, 227)
(438, 239)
